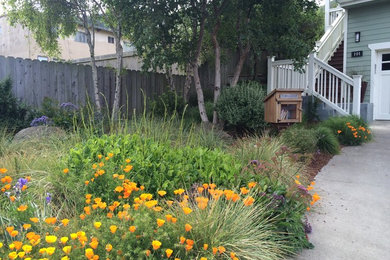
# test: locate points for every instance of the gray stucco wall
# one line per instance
(373, 23)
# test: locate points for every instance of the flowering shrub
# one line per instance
(205, 222)
(349, 130)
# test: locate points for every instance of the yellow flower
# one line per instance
(89, 253)
(156, 244)
(26, 226)
(67, 249)
(252, 184)
(169, 252)
(203, 258)
(64, 258)
(66, 170)
(150, 204)
(162, 193)
(108, 247)
(50, 250)
(1, 245)
(65, 222)
(113, 228)
(22, 208)
(94, 244)
(205, 246)
(97, 224)
(178, 191)
(187, 210)
(187, 227)
(160, 222)
(64, 240)
(27, 248)
(51, 239)
(73, 236)
(13, 255)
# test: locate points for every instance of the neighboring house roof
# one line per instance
(353, 3)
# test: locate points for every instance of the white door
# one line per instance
(383, 95)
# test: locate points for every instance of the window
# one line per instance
(110, 39)
(80, 37)
(386, 62)
(42, 58)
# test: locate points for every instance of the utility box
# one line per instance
(283, 106)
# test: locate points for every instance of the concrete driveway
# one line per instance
(352, 219)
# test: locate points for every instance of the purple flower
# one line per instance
(254, 162)
(303, 189)
(21, 182)
(69, 105)
(43, 120)
(307, 226)
(48, 197)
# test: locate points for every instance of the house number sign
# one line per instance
(357, 54)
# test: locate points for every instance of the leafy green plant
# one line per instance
(350, 130)
(13, 114)
(327, 141)
(242, 107)
(157, 165)
(300, 139)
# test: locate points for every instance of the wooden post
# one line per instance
(327, 15)
(357, 85)
(270, 75)
(311, 74)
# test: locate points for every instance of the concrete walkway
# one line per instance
(352, 219)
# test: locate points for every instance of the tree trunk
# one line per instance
(217, 80)
(195, 64)
(119, 66)
(199, 93)
(240, 64)
(91, 45)
(187, 84)
(169, 76)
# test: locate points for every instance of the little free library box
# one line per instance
(283, 106)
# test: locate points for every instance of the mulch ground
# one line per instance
(318, 161)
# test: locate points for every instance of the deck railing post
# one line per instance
(270, 75)
(327, 15)
(311, 74)
(357, 85)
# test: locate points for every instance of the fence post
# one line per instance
(311, 74)
(357, 85)
(270, 75)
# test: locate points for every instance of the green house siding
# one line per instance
(373, 23)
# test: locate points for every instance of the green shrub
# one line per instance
(168, 103)
(300, 139)
(193, 116)
(13, 115)
(327, 141)
(242, 107)
(157, 165)
(61, 115)
(350, 130)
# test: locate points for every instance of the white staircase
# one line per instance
(317, 78)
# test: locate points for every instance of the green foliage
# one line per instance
(327, 141)
(242, 107)
(64, 115)
(350, 130)
(13, 114)
(167, 104)
(311, 114)
(157, 165)
(192, 113)
(300, 139)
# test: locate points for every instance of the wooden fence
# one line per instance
(33, 80)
